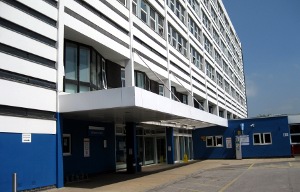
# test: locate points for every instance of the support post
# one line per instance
(14, 182)
(131, 148)
(59, 153)
(170, 145)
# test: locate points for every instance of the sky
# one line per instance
(269, 31)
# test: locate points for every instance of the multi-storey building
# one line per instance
(127, 79)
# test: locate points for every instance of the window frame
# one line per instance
(69, 143)
(262, 138)
(123, 79)
(214, 141)
(161, 90)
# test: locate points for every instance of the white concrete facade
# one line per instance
(33, 47)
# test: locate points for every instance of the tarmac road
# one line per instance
(259, 175)
(256, 177)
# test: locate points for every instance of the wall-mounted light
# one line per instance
(252, 125)
(242, 128)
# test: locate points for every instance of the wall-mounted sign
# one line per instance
(228, 143)
(244, 139)
(96, 131)
(285, 134)
(86, 147)
(203, 138)
(105, 143)
(26, 137)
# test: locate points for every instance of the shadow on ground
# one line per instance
(104, 179)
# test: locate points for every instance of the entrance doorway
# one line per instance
(149, 151)
(183, 145)
(161, 149)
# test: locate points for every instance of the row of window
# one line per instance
(258, 139)
(155, 21)
(150, 16)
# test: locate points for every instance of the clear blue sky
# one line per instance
(270, 34)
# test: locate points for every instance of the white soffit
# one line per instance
(132, 104)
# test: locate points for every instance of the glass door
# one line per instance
(161, 150)
(141, 149)
(120, 152)
(149, 150)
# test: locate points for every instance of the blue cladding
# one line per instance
(170, 143)
(101, 159)
(277, 126)
(203, 152)
(34, 163)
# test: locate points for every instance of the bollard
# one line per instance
(14, 182)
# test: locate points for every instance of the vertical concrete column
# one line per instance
(205, 105)
(129, 73)
(225, 114)
(129, 64)
(131, 148)
(59, 153)
(170, 145)
(167, 93)
(190, 100)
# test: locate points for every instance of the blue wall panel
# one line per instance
(203, 152)
(101, 159)
(277, 126)
(34, 163)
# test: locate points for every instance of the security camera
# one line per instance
(252, 125)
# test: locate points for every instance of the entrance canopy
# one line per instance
(133, 104)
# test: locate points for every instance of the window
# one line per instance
(214, 141)
(196, 58)
(161, 90)
(152, 19)
(66, 144)
(214, 15)
(206, 3)
(262, 139)
(123, 77)
(184, 99)
(218, 58)
(85, 69)
(194, 29)
(178, 42)
(205, 21)
(216, 36)
(221, 113)
(225, 67)
(104, 81)
(211, 109)
(160, 26)
(207, 45)
(144, 11)
(295, 134)
(134, 7)
(177, 8)
(123, 2)
(173, 90)
(148, 15)
(219, 80)
(195, 5)
(226, 86)
(140, 80)
(210, 71)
